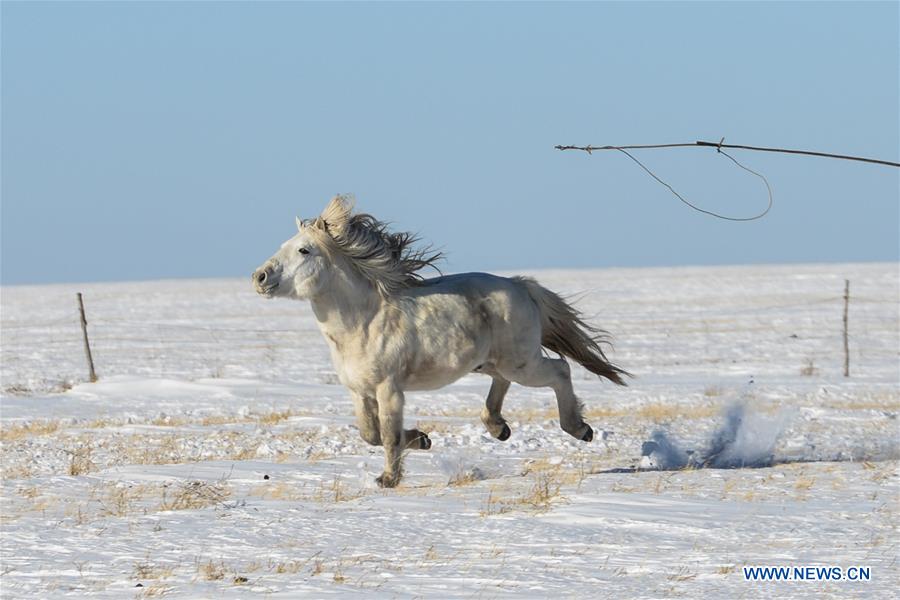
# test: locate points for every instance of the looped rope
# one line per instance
(694, 206)
(718, 146)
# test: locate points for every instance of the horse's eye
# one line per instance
(303, 251)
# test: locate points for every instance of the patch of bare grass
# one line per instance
(804, 484)
(279, 491)
(544, 491)
(169, 421)
(19, 471)
(888, 401)
(191, 495)
(682, 574)
(154, 590)
(659, 412)
(434, 426)
(147, 570)
(117, 502)
(80, 462)
(725, 569)
(713, 391)
(336, 491)
(283, 567)
(10, 433)
(275, 417)
(211, 571)
(809, 368)
(464, 477)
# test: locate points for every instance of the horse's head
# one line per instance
(302, 267)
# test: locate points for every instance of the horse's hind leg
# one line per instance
(490, 416)
(416, 440)
(366, 409)
(554, 373)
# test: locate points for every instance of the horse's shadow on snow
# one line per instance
(774, 462)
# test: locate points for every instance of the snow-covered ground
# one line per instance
(217, 456)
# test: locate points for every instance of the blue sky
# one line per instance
(162, 140)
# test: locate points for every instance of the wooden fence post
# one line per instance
(87, 346)
(846, 342)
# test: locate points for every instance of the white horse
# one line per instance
(391, 331)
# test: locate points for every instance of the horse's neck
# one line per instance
(346, 307)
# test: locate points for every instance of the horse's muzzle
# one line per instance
(265, 279)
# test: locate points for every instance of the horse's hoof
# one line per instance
(387, 481)
(588, 435)
(504, 433)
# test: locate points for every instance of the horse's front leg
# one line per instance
(390, 415)
(366, 409)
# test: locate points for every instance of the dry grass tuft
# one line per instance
(336, 491)
(887, 401)
(318, 567)
(558, 472)
(618, 486)
(666, 412)
(210, 571)
(147, 570)
(804, 484)
(809, 368)
(465, 477)
(142, 449)
(286, 567)
(494, 505)
(431, 554)
(725, 569)
(278, 491)
(17, 389)
(661, 482)
(274, 418)
(20, 471)
(80, 462)
(729, 486)
(30, 492)
(543, 492)
(539, 497)
(13, 432)
(434, 426)
(119, 499)
(10, 433)
(34, 501)
(100, 423)
(191, 495)
(682, 574)
(154, 591)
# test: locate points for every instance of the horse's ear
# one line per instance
(337, 214)
(299, 224)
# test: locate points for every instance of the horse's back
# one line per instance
(500, 308)
(497, 296)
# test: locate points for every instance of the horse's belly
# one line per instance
(432, 370)
(433, 380)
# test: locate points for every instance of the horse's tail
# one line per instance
(564, 331)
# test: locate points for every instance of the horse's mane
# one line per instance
(389, 260)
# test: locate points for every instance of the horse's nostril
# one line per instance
(261, 277)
